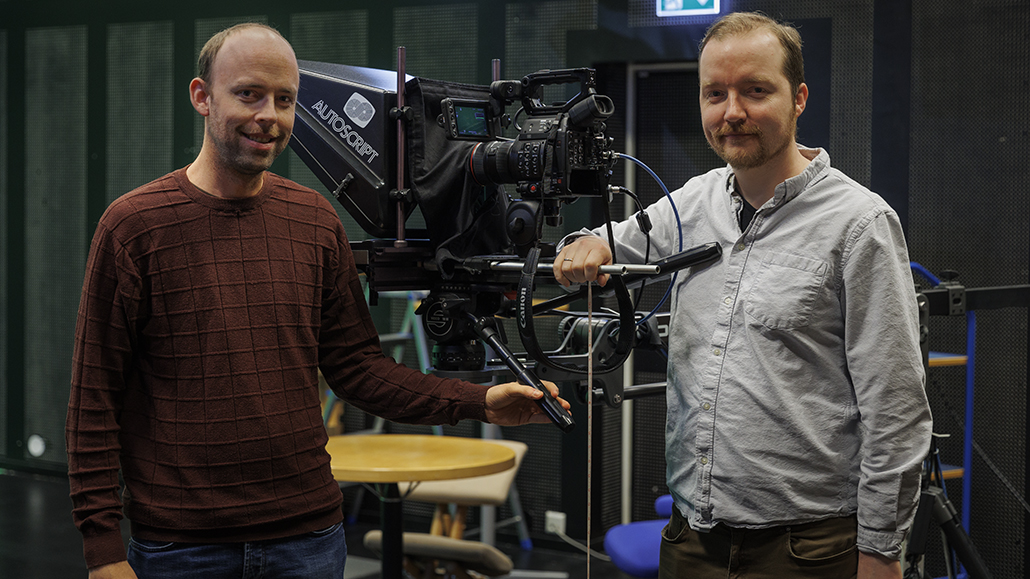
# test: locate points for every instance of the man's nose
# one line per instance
(266, 114)
(735, 111)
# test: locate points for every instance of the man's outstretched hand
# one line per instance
(513, 404)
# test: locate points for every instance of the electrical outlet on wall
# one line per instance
(554, 522)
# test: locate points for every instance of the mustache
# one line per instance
(270, 135)
(741, 129)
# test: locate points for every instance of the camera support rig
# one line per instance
(449, 161)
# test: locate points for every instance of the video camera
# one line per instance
(561, 152)
(385, 143)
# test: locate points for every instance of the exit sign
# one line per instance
(686, 7)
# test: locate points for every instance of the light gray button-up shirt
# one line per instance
(795, 376)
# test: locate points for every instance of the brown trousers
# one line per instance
(820, 550)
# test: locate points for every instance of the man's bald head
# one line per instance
(205, 64)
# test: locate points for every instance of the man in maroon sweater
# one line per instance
(212, 297)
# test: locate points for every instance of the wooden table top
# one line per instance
(391, 458)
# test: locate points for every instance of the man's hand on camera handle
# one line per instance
(578, 262)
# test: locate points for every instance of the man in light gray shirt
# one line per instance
(797, 421)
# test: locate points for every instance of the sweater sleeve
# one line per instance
(353, 363)
(101, 357)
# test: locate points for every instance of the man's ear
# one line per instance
(800, 99)
(200, 97)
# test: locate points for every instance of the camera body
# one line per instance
(561, 152)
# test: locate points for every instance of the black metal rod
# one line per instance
(558, 415)
(686, 258)
(401, 137)
(982, 298)
(391, 514)
(947, 518)
(631, 392)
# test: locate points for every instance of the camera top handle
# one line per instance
(530, 92)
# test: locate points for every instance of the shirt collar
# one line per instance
(791, 188)
(819, 161)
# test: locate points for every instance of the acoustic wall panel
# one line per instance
(440, 41)
(4, 241)
(339, 37)
(55, 236)
(970, 213)
(140, 94)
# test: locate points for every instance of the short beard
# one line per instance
(748, 159)
(234, 158)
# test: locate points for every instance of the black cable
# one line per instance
(645, 227)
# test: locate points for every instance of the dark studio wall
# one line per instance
(925, 102)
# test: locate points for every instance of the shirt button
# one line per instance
(727, 301)
(717, 352)
(706, 406)
(704, 460)
(741, 247)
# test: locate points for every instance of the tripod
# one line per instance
(934, 507)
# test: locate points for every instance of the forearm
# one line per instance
(384, 388)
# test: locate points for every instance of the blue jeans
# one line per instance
(317, 555)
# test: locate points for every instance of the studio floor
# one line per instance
(38, 540)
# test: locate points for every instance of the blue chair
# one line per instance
(634, 546)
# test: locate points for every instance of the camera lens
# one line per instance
(490, 162)
(508, 161)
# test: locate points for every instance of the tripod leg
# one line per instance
(915, 546)
(947, 518)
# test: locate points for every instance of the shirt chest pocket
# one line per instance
(784, 292)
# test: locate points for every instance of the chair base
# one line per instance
(425, 550)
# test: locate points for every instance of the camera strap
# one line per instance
(524, 306)
(524, 318)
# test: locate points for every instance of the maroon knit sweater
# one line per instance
(202, 325)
